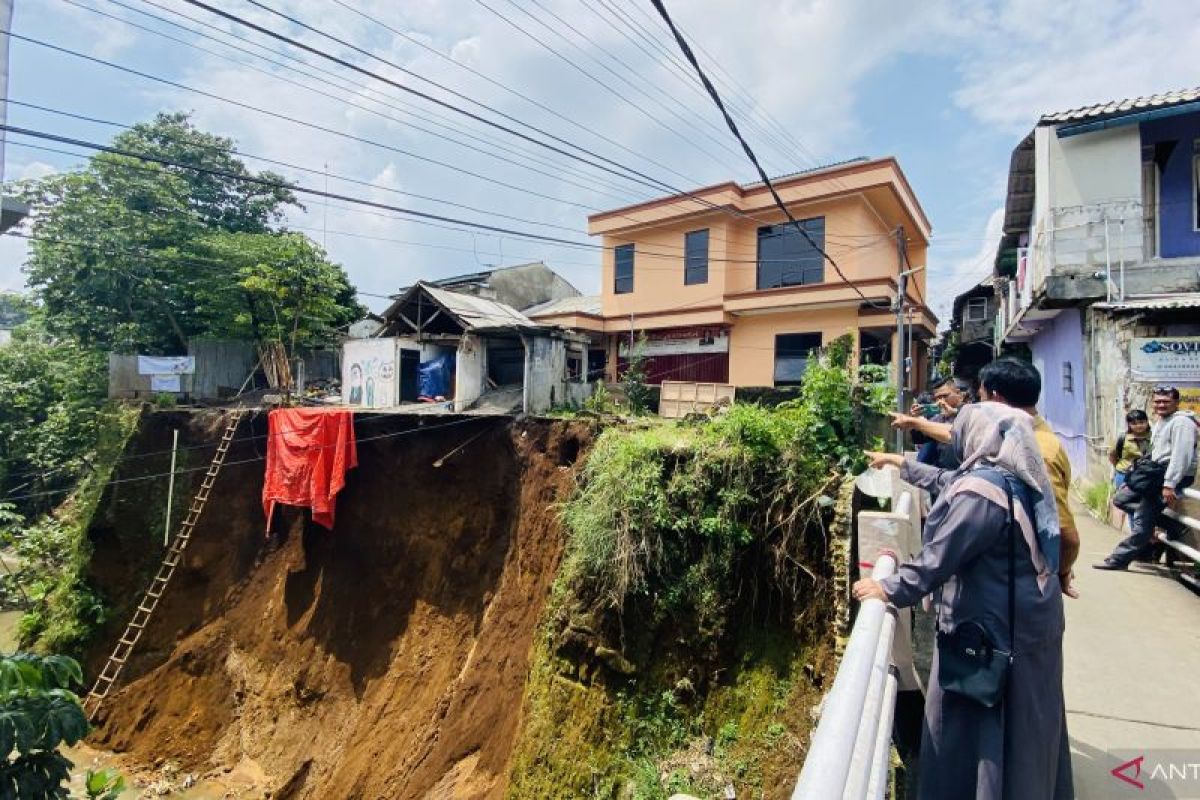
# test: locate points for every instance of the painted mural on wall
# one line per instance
(369, 374)
(1165, 358)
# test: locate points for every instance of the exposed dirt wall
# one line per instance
(385, 659)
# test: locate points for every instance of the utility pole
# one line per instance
(901, 351)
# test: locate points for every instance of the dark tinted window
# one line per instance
(623, 272)
(695, 258)
(785, 257)
(791, 356)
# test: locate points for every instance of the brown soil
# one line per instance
(385, 659)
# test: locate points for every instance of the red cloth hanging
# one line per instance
(308, 453)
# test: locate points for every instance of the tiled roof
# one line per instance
(583, 304)
(1123, 106)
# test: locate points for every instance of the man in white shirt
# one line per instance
(1173, 445)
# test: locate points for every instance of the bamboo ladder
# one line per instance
(149, 602)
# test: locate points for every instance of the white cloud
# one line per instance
(963, 273)
(1032, 58)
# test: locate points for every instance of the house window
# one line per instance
(575, 367)
(695, 258)
(787, 258)
(792, 351)
(977, 309)
(623, 269)
(1196, 184)
(1068, 377)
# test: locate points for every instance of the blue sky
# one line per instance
(948, 88)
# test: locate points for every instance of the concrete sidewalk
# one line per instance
(1132, 666)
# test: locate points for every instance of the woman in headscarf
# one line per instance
(1018, 748)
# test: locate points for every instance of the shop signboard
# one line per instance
(1165, 359)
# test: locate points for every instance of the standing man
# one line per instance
(1173, 446)
(1017, 383)
(949, 394)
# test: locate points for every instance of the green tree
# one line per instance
(288, 291)
(38, 714)
(130, 255)
(51, 391)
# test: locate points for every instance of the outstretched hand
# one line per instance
(904, 422)
(881, 460)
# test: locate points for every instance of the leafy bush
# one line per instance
(105, 784)
(637, 391)
(670, 513)
(38, 714)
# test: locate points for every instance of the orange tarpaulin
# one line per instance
(308, 453)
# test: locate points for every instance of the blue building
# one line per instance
(1098, 267)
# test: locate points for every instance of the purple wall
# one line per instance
(1176, 192)
(1059, 343)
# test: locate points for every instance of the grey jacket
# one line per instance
(1173, 443)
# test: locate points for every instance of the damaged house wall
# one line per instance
(470, 371)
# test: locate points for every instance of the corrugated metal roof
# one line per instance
(1123, 106)
(1164, 303)
(584, 304)
(478, 312)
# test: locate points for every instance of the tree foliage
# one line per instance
(38, 714)
(130, 255)
(51, 392)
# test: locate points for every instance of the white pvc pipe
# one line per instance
(827, 764)
(1180, 547)
(864, 757)
(881, 770)
(1192, 493)
(1191, 522)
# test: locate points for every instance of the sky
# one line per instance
(948, 88)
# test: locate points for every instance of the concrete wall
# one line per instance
(470, 371)
(1098, 167)
(1178, 236)
(545, 366)
(1064, 407)
(529, 285)
(1111, 392)
(752, 339)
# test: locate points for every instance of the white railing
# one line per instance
(1183, 519)
(850, 752)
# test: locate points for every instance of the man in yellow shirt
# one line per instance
(1017, 383)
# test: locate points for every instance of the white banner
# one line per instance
(166, 365)
(164, 383)
(718, 343)
(1165, 358)
(369, 375)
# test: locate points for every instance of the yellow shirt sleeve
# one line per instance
(1058, 466)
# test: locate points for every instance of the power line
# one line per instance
(278, 163)
(295, 120)
(563, 117)
(407, 109)
(275, 184)
(619, 95)
(613, 167)
(676, 68)
(691, 57)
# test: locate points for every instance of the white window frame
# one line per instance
(972, 303)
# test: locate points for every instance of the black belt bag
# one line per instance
(1146, 476)
(969, 662)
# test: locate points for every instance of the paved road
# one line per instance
(1132, 676)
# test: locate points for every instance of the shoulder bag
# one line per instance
(1146, 476)
(969, 662)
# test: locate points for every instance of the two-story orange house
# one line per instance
(726, 290)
